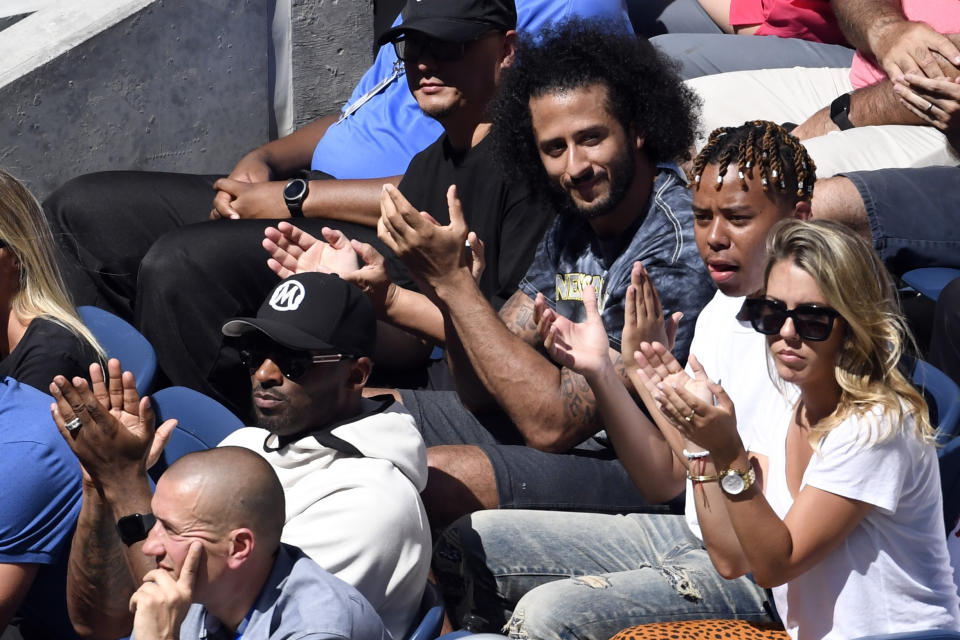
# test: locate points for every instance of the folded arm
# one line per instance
(254, 189)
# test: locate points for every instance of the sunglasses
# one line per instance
(291, 362)
(810, 321)
(410, 47)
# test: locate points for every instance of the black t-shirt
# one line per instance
(503, 213)
(47, 349)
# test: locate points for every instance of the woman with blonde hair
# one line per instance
(41, 334)
(835, 504)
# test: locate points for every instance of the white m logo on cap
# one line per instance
(288, 296)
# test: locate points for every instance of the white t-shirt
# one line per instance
(892, 573)
(735, 356)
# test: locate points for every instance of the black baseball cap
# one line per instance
(454, 20)
(314, 312)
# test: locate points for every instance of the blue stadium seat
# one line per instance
(431, 615)
(943, 396)
(202, 423)
(122, 341)
(930, 281)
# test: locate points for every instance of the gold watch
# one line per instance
(735, 482)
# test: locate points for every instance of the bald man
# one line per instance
(221, 570)
(209, 537)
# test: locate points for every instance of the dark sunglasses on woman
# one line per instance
(810, 321)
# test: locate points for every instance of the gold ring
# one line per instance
(689, 418)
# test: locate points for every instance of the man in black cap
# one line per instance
(351, 467)
(454, 52)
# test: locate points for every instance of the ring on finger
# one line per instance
(73, 424)
(929, 107)
(689, 418)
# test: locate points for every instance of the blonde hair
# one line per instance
(854, 281)
(41, 291)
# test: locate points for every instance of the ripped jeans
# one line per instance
(557, 575)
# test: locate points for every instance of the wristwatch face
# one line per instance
(733, 483)
(295, 189)
(134, 528)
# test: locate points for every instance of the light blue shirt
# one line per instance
(379, 138)
(299, 600)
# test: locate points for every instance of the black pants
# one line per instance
(140, 244)
(104, 224)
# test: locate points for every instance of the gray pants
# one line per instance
(704, 54)
(684, 31)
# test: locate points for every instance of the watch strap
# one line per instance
(840, 112)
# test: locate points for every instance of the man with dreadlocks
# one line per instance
(649, 567)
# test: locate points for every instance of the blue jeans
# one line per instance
(912, 215)
(559, 575)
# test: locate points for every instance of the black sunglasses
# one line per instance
(291, 362)
(410, 46)
(811, 321)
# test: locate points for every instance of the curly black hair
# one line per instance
(643, 92)
(764, 147)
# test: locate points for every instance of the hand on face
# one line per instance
(580, 346)
(162, 601)
(431, 251)
(116, 437)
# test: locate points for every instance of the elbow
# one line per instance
(100, 631)
(545, 441)
(658, 494)
(729, 568)
(768, 578)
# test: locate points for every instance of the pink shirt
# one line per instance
(804, 19)
(942, 15)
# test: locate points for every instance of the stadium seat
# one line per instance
(930, 281)
(122, 341)
(202, 423)
(949, 457)
(431, 615)
(943, 396)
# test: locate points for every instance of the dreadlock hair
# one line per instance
(644, 93)
(765, 147)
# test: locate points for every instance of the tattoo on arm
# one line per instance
(580, 404)
(517, 314)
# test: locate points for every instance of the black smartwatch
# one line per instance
(840, 112)
(134, 528)
(294, 194)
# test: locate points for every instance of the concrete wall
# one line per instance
(176, 85)
(331, 50)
